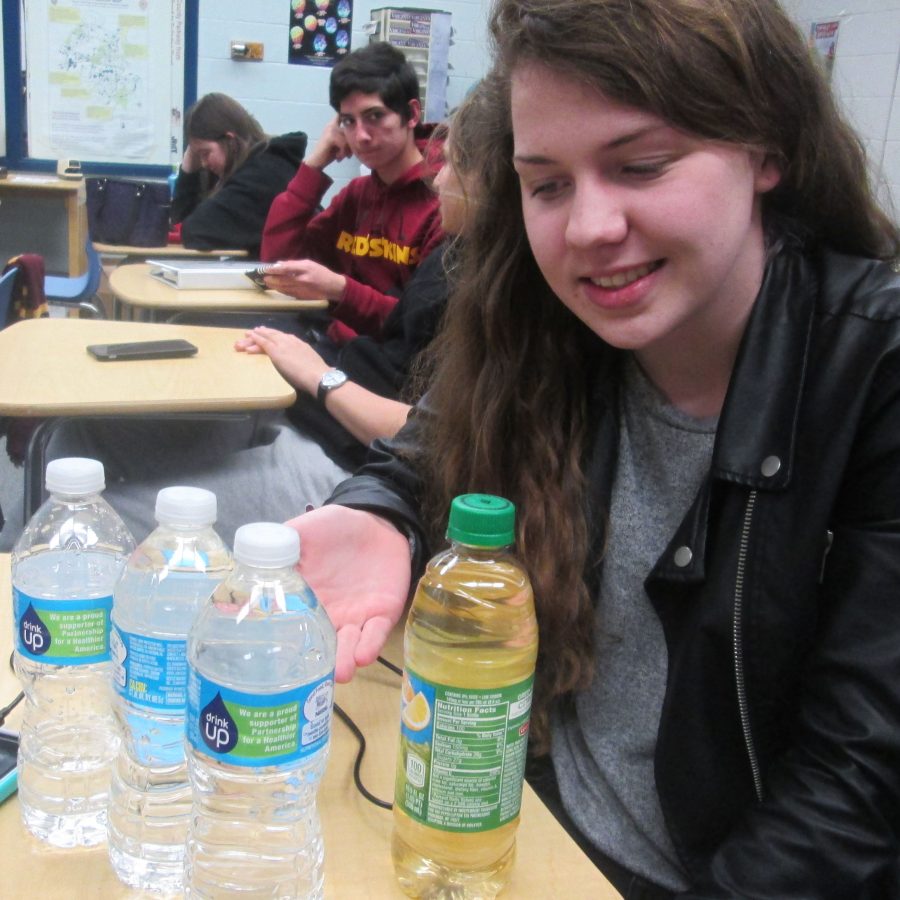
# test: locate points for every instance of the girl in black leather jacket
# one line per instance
(675, 344)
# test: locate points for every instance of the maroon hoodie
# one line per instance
(373, 233)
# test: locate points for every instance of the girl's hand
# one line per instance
(296, 360)
(190, 162)
(358, 566)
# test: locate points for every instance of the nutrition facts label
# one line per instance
(149, 671)
(463, 754)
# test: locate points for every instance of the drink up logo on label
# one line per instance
(33, 633)
(217, 728)
(74, 631)
(247, 729)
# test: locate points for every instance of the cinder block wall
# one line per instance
(866, 77)
(285, 97)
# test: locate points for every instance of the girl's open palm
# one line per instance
(358, 565)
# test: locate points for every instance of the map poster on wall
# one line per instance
(98, 87)
(823, 39)
(320, 31)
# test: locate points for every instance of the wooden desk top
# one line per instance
(40, 181)
(176, 251)
(45, 370)
(134, 285)
(357, 833)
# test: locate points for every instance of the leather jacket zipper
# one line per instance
(737, 638)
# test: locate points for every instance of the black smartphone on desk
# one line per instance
(168, 349)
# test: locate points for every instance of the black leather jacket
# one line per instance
(778, 754)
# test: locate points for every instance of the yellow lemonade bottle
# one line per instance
(470, 648)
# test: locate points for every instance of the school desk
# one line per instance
(134, 288)
(41, 213)
(45, 370)
(168, 251)
(357, 834)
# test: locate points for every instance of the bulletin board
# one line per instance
(105, 82)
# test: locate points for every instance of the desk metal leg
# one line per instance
(36, 454)
(35, 464)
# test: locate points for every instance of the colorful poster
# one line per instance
(320, 31)
(105, 79)
(823, 39)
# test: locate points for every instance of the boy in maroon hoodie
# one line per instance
(362, 249)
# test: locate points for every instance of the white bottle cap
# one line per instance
(75, 476)
(267, 545)
(182, 505)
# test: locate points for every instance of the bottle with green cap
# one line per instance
(470, 649)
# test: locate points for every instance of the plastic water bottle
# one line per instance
(260, 691)
(168, 579)
(470, 648)
(64, 567)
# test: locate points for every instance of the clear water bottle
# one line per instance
(470, 648)
(260, 691)
(64, 567)
(168, 579)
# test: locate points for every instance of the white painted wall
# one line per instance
(866, 78)
(285, 97)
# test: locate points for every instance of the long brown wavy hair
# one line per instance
(220, 118)
(512, 365)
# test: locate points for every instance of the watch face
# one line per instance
(333, 378)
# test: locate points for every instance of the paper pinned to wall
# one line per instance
(823, 39)
(95, 87)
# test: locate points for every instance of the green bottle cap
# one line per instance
(482, 520)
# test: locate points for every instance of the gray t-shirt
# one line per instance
(603, 748)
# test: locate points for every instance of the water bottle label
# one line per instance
(462, 753)
(149, 671)
(62, 632)
(190, 559)
(258, 729)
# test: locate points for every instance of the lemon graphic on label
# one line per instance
(416, 714)
(406, 690)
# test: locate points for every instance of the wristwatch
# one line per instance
(332, 379)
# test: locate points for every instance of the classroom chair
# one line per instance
(6, 288)
(79, 290)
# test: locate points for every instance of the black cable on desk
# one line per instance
(11, 706)
(6, 710)
(389, 665)
(361, 739)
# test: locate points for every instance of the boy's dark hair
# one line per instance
(379, 69)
